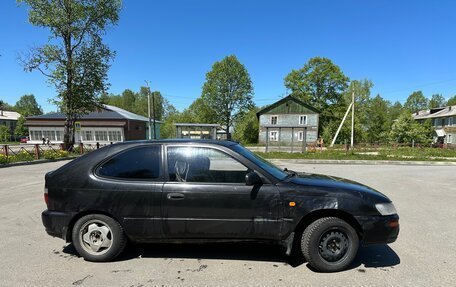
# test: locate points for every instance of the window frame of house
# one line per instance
(300, 136)
(302, 123)
(450, 121)
(274, 139)
(276, 119)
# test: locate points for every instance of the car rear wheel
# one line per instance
(98, 237)
(329, 244)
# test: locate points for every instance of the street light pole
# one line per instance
(148, 109)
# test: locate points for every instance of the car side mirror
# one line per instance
(252, 178)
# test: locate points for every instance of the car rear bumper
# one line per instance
(56, 223)
(379, 229)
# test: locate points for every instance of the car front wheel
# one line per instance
(98, 237)
(329, 244)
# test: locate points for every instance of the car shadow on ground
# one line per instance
(376, 256)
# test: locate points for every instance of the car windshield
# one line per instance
(261, 162)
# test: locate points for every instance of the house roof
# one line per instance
(284, 100)
(107, 112)
(11, 116)
(435, 113)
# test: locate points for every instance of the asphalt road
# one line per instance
(424, 255)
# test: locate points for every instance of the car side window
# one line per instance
(200, 164)
(141, 163)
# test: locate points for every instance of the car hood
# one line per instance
(333, 184)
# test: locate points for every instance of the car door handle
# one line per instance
(175, 196)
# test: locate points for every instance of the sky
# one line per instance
(401, 46)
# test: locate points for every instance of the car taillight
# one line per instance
(46, 196)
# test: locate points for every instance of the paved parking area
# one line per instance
(424, 255)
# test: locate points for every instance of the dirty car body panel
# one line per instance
(175, 203)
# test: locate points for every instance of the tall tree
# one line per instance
(437, 101)
(247, 127)
(379, 122)
(75, 60)
(28, 106)
(416, 102)
(451, 101)
(228, 91)
(395, 111)
(319, 83)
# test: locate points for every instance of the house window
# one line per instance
(303, 120)
(101, 136)
(115, 136)
(300, 136)
(274, 136)
(450, 121)
(449, 139)
(273, 120)
(87, 136)
(59, 136)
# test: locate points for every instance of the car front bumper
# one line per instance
(379, 229)
(56, 223)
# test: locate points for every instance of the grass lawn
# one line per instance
(399, 154)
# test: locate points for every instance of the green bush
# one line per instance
(3, 159)
(54, 154)
(22, 156)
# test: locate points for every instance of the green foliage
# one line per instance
(247, 127)
(388, 153)
(395, 111)
(23, 156)
(321, 84)
(4, 133)
(228, 92)
(416, 102)
(54, 154)
(138, 103)
(28, 106)
(75, 60)
(437, 101)
(21, 129)
(452, 101)
(5, 106)
(406, 130)
(3, 159)
(378, 120)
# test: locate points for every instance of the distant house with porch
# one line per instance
(288, 122)
(105, 125)
(443, 121)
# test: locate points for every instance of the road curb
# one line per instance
(365, 162)
(36, 161)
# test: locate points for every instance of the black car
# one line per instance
(210, 191)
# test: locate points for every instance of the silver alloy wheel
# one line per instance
(96, 237)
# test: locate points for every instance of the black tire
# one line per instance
(329, 244)
(98, 237)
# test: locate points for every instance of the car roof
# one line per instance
(226, 143)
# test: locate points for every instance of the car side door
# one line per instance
(206, 196)
(128, 185)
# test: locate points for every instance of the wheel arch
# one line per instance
(320, 213)
(68, 237)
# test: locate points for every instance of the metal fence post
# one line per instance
(81, 148)
(37, 151)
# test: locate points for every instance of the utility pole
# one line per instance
(148, 109)
(353, 118)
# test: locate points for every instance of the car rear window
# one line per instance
(142, 163)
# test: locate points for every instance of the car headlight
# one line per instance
(386, 208)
